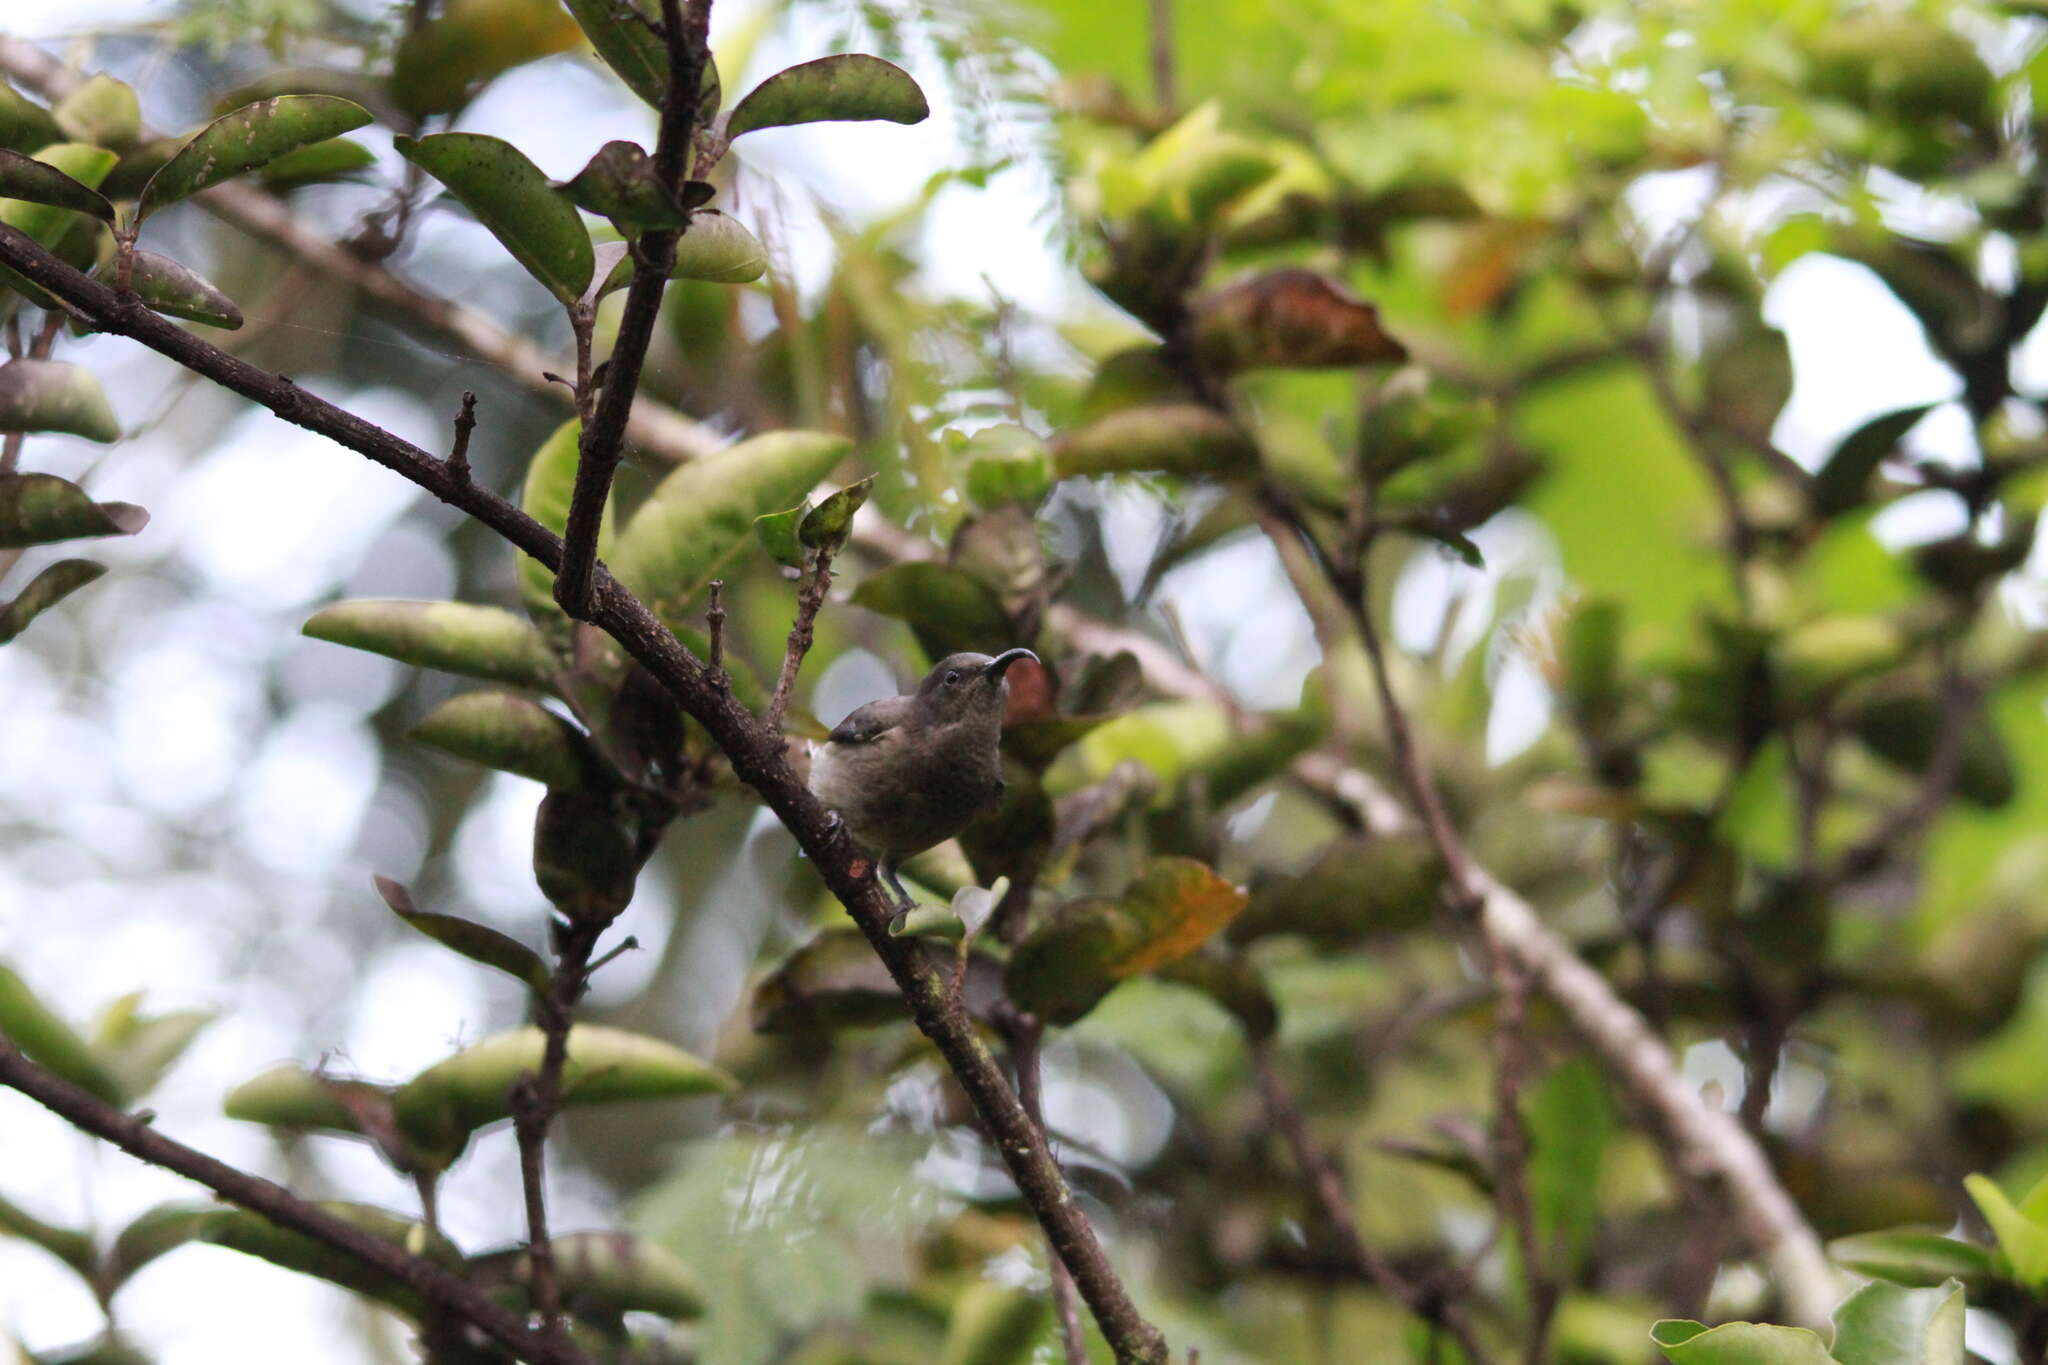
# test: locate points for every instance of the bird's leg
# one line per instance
(905, 902)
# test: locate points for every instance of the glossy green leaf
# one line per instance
(2022, 1240)
(777, 533)
(477, 942)
(549, 489)
(151, 1234)
(442, 64)
(1738, 1343)
(84, 165)
(1171, 438)
(291, 1097)
(138, 164)
(1071, 961)
(852, 86)
(319, 163)
(471, 1089)
(25, 126)
(509, 733)
(622, 32)
(620, 183)
(255, 1235)
(950, 610)
(1914, 1258)
(49, 395)
(170, 288)
(1884, 1324)
(536, 222)
(72, 1247)
(55, 583)
(101, 111)
(456, 637)
(703, 514)
(251, 137)
(45, 1038)
(24, 178)
(1843, 480)
(717, 248)
(605, 1273)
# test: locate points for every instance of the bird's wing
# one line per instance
(869, 723)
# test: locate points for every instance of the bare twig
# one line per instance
(604, 431)
(1164, 90)
(714, 618)
(809, 598)
(465, 423)
(1326, 1185)
(756, 754)
(134, 1135)
(1026, 1053)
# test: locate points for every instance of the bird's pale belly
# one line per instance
(894, 812)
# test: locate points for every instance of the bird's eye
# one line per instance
(952, 677)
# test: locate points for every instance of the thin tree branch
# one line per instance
(1165, 90)
(756, 754)
(809, 598)
(1028, 1057)
(465, 423)
(135, 1136)
(654, 254)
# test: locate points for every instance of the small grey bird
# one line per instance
(905, 773)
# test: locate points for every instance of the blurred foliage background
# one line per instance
(1661, 379)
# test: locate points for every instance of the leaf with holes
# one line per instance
(455, 637)
(534, 221)
(251, 137)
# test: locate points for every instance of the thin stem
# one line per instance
(465, 423)
(134, 1135)
(1026, 1053)
(604, 430)
(1164, 90)
(714, 620)
(756, 754)
(809, 598)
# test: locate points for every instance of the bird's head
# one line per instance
(964, 685)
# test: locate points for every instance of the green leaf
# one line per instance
(2022, 1240)
(825, 526)
(68, 1245)
(718, 249)
(1843, 480)
(509, 733)
(25, 125)
(777, 532)
(291, 1097)
(622, 31)
(163, 1228)
(36, 509)
(170, 288)
(48, 395)
(1172, 438)
(319, 163)
(47, 1040)
(44, 591)
(604, 1273)
(620, 183)
(536, 222)
(852, 86)
(1570, 1119)
(1067, 964)
(453, 1098)
(137, 1049)
(703, 514)
(994, 1324)
(586, 855)
(101, 111)
(1007, 464)
(549, 489)
(477, 942)
(253, 136)
(1884, 1324)
(255, 1235)
(948, 608)
(1904, 729)
(442, 64)
(38, 182)
(476, 642)
(1738, 1343)
(47, 223)
(1916, 1259)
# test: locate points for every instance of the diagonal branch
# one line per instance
(654, 255)
(134, 1135)
(756, 753)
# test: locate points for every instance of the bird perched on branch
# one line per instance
(906, 773)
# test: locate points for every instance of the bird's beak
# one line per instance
(1002, 661)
